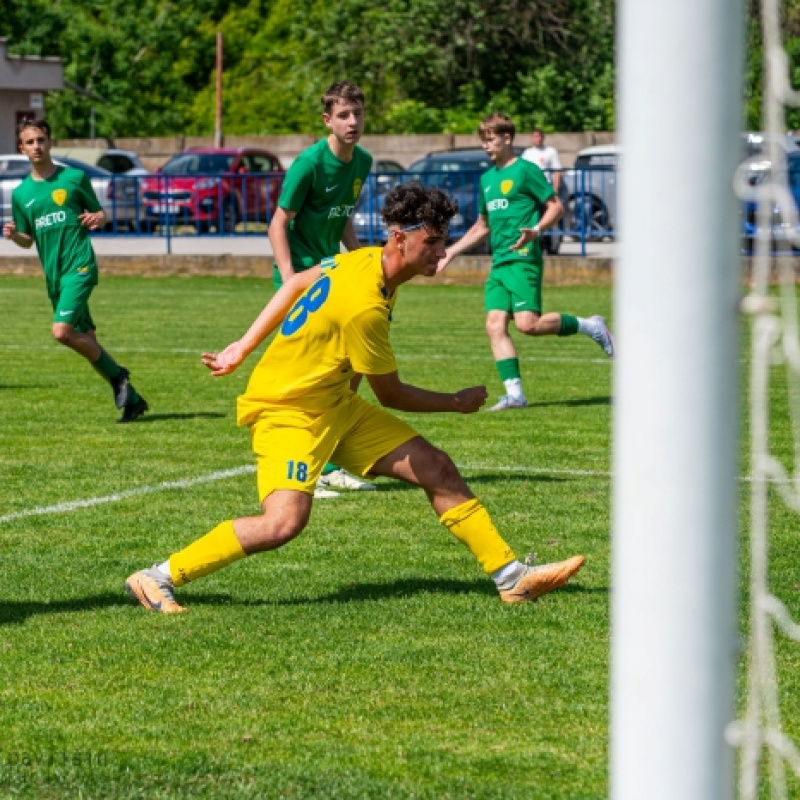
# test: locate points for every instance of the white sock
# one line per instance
(164, 569)
(506, 577)
(514, 388)
(586, 326)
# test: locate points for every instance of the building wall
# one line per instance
(10, 103)
(405, 149)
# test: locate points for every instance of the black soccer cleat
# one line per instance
(121, 386)
(133, 411)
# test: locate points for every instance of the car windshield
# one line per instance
(602, 160)
(14, 169)
(441, 165)
(195, 163)
(450, 176)
(92, 172)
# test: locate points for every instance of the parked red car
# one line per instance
(214, 187)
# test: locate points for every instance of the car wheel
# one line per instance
(587, 213)
(230, 216)
(551, 243)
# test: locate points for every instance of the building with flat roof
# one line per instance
(23, 82)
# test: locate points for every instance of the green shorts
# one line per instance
(277, 280)
(70, 298)
(514, 287)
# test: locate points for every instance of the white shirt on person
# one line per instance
(546, 158)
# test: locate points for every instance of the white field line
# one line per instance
(74, 505)
(247, 469)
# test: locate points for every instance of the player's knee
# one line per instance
(495, 327)
(288, 525)
(62, 333)
(530, 327)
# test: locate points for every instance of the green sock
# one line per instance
(328, 468)
(106, 366)
(508, 368)
(569, 325)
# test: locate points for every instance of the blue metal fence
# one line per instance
(243, 204)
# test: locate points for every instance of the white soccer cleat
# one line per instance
(324, 494)
(603, 336)
(507, 402)
(341, 479)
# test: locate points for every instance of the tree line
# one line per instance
(427, 66)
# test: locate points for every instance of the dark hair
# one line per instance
(496, 123)
(537, 130)
(412, 203)
(30, 122)
(341, 91)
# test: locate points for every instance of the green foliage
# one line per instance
(427, 66)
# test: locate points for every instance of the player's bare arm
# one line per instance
(21, 239)
(279, 239)
(349, 238)
(553, 211)
(477, 233)
(393, 393)
(92, 220)
(274, 312)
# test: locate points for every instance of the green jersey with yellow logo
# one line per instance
(512, 198)
(322, 191)
(48, 211)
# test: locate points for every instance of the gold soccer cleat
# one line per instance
(542, 579)
(154, 591)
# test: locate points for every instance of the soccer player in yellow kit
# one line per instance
(301, 411)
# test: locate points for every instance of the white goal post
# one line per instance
(677, 400)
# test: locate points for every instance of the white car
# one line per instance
(118, 195)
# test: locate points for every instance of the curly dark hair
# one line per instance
(412, 203)
(341, 91)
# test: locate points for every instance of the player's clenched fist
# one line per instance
(468, 401)
(9, 229)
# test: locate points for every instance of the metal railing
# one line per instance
(243, 204)
(588, 196)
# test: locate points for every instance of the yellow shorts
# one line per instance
(292, 447)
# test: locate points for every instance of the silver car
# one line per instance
(120, 162)
(589, 193)
(118, 195)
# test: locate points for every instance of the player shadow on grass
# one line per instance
(407, 587)
(12, 386)
(576, 403)
(17, 612)
(178, 415)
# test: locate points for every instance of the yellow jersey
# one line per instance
(339, 326)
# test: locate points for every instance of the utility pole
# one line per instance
(218, 124)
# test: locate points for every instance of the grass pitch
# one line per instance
(369, 658)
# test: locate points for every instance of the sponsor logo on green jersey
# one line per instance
(497, 205)
(48, 220)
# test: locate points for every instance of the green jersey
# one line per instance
(322, 191)
(48, 211)
(511, 198)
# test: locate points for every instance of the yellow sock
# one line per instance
(471, 524)
(211, 552)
